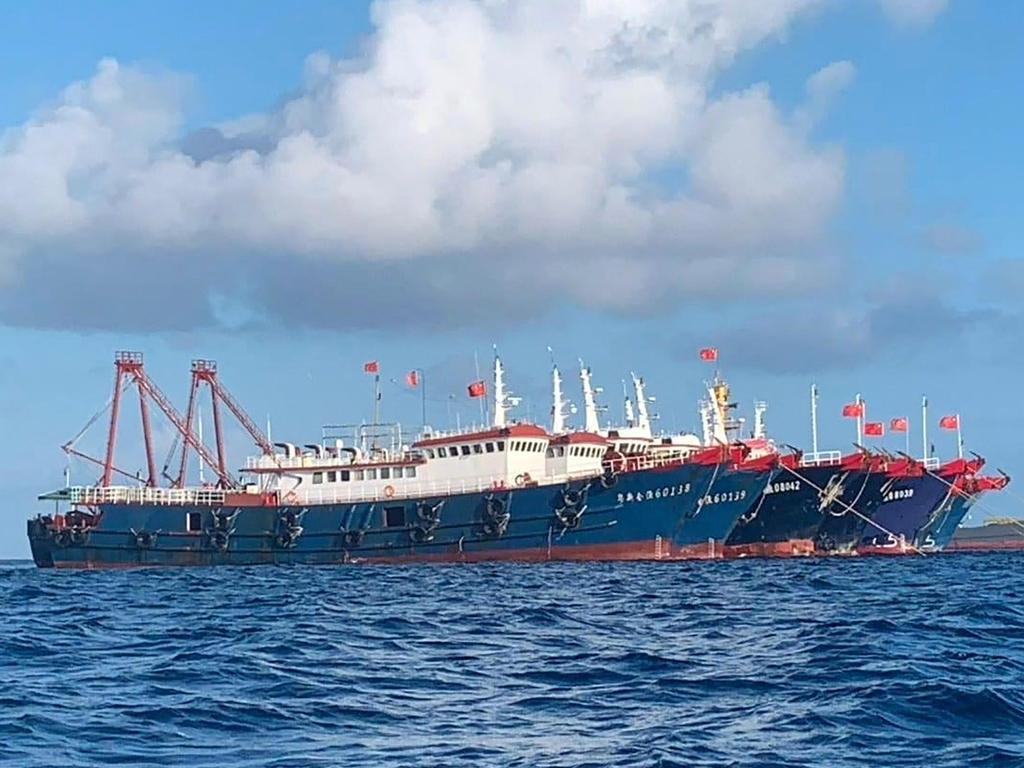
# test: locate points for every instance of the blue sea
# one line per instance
(871, 661)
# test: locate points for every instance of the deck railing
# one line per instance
(135, 495)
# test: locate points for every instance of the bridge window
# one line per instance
(477, 448)
(501, 445)
(442, 453)
(385, 473)
(318, 478)
(465, 450)
(357, 474)
(410, 471)
(345, 475)
(430, 453)
(394, 517)
(489, 447)
(332, 477)
(194, 522)
(371, 474)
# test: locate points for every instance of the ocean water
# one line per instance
(871, 661)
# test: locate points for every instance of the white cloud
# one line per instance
(913, 13)
(526, 138)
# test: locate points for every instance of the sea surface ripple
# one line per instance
(870, 661)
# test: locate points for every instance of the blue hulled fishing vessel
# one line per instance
(506, 491)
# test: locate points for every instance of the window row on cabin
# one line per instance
(583, 451)
(372, 473)
(454, 451)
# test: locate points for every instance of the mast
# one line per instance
(760, 431)
(628, 407)
(643, 416)
(814, 418)
(719, 407)
(707, 424)
(501, 403)
(591, 423)
(559, 405)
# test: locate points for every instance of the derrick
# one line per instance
(205, 372)
(130, 372)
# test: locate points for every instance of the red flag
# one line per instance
(371, 367)
(899, 424)
(709, 354)
(950, 422)
(874, 429)
(853, 410)
(477, 389)
(412, 378)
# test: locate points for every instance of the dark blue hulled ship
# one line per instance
(816, 503)
(511, 491)
(915, 501)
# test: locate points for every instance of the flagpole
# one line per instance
(860, 419)
(924, 426)
(476, 363)
(423, 398)
(814, 419)
(907, 435)
(376, 405)
(959, 438)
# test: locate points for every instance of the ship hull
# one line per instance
(788, 515)
(903, 522)
(843, 525)
(680, 512)
(944, 523)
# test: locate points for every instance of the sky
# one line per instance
(825, 190)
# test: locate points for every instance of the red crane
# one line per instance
(205, 371)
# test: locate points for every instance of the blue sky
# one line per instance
(885, 260)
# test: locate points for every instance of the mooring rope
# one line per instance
(861, 515)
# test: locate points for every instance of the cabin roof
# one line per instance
(575, 438)
(513, 430)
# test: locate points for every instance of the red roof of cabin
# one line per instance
(515, 430)
(575, 438)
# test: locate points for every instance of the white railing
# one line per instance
(932, 462)
(133, 495)
(821, 458)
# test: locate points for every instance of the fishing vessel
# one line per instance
(506, 491)
(967, 493)
(818, 504)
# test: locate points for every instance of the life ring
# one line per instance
(520, 479)
(389, 491)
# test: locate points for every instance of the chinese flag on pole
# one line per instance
(853, 410)
(900, 424)
(412, 378)
(949, 422)
(874, 429)
(477, 389)
(371, 367)
(709, 354)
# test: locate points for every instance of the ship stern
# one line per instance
(40, 541)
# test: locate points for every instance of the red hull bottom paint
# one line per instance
(624, 551)
(791, 548)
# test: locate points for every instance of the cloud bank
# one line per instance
(481, 160)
